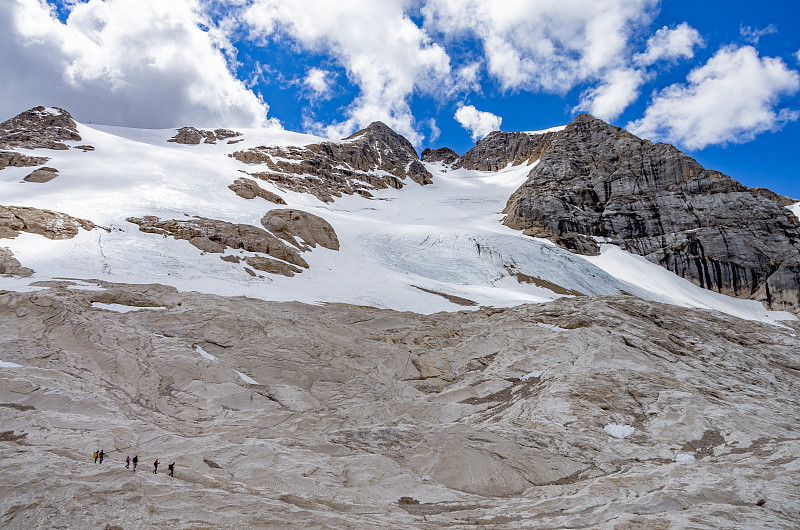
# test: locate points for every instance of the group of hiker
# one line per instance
(98, 455)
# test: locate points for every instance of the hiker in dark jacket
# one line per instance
(155, 467)
(135, 461)
(101, 456)
(171, 468)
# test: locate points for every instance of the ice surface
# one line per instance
(618, 430)
(683, 457)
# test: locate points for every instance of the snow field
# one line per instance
(446, 237)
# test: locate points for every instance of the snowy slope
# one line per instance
(395, 248)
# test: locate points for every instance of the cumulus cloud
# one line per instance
(753, 35)
(383, 51)
(670, 43)
(317, 81)
(550, 46)
(477, 122)
(732, 98)
(141, 63)
(619, 89)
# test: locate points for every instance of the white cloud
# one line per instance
(317, 80)
(753, 35)
(383, 51)
(546, 45)
(619, 89)
(435, 131)
(732, 98)
(670, 43)
(142, 63)
(477, 122)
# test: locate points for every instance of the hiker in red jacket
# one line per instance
(155, 466)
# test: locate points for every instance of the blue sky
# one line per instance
(718, 79)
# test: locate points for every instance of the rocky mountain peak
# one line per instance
(381, 133)
(498, 149)
(39, 128)
(373, 158)
(443, 154)
(597, 180)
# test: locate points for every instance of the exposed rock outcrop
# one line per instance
(249, 189)
(653, 200)
(52, 225)
(373, 158)
(499, 149)
(370, 418)
(193, 136)
(213, 235)
(43, 174)
(11, 265)
(39, 128)
(312, 229)
(12, 159)
(443, 154)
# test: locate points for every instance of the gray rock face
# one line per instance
(39, 128)
(193, 136)
(329, 170)
(367, 418)
(443, 154)
(498, 149)
(653, 200)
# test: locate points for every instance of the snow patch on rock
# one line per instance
(210, 357)
(246, 378)
(618, 430)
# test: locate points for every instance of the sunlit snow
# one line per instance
(420, 248)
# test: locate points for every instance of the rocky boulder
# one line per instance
(52, 225)
(443, 154)
(10, 265)
(313, 230)
(499, 149)
(43, 174)
(598, 180)
(39, 127)
(249, 189)
(373, 158)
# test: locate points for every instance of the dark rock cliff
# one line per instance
(650, 199)
(443, 154)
